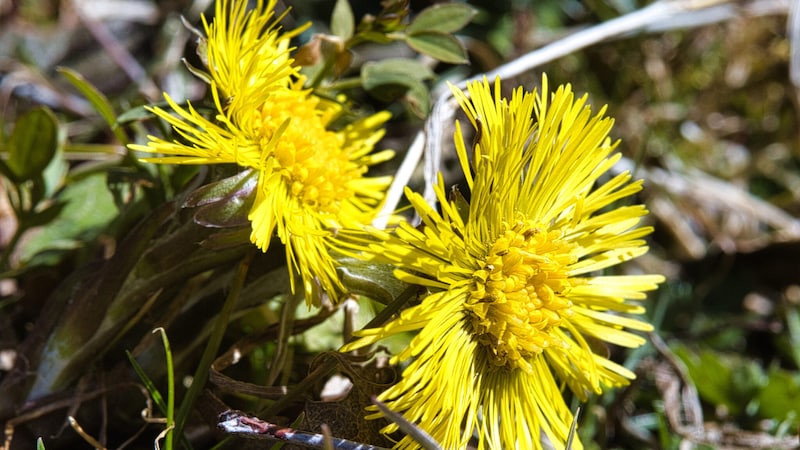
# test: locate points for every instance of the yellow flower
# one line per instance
(311, 178)
(515, 289)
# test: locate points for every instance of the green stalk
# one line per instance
(170, 391)
(212, 347)
(325, 368)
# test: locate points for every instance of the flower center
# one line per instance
(515, 301)
(311, 160)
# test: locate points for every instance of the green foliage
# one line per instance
(32, 145)
(97, 99)
(36, 168)
(342, 21)
(442, 18)
(170, 391)
(429, 33)
(82, 210)
(406, 76)
(779, 398)
(224, 203)
(167, 408)
(723, 380)
(441, 46)
(742, 386)
(151, 387)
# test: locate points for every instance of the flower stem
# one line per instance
(330, 364)
(214, 341)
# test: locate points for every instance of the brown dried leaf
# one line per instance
(346, 416)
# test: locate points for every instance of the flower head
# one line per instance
(311, 177)
(515, 289)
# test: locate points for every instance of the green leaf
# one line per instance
(793, 328)
(53, 176)
(97, 99)
(43, 217)
(33, 143)
(225, 203)
(441, 46)
(232, 212)
(6, 171)
(373, 280)
(442, 18)
(724, 379)
(418, 99)
(243, 182)
(780, 398)
(342, 21)
(170, 389)
(46, 184)
(393, 71)
(39, 444)
(87, 211)
(379, 77)
(155, 394)
(227, 238)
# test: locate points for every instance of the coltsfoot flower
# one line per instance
(516, 285)
(311, 177)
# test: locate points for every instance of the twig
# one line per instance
(246, 345)
(67, 402)
(328, 366)
(240, 424)
(86, 436)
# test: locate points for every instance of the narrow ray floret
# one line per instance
(311, 178)
(520, 282)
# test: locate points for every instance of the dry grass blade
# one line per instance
(573, 428)
(86, 436)
(419, 435)
(722, 212)
(237, 423)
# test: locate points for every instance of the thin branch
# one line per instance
(240, 424)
